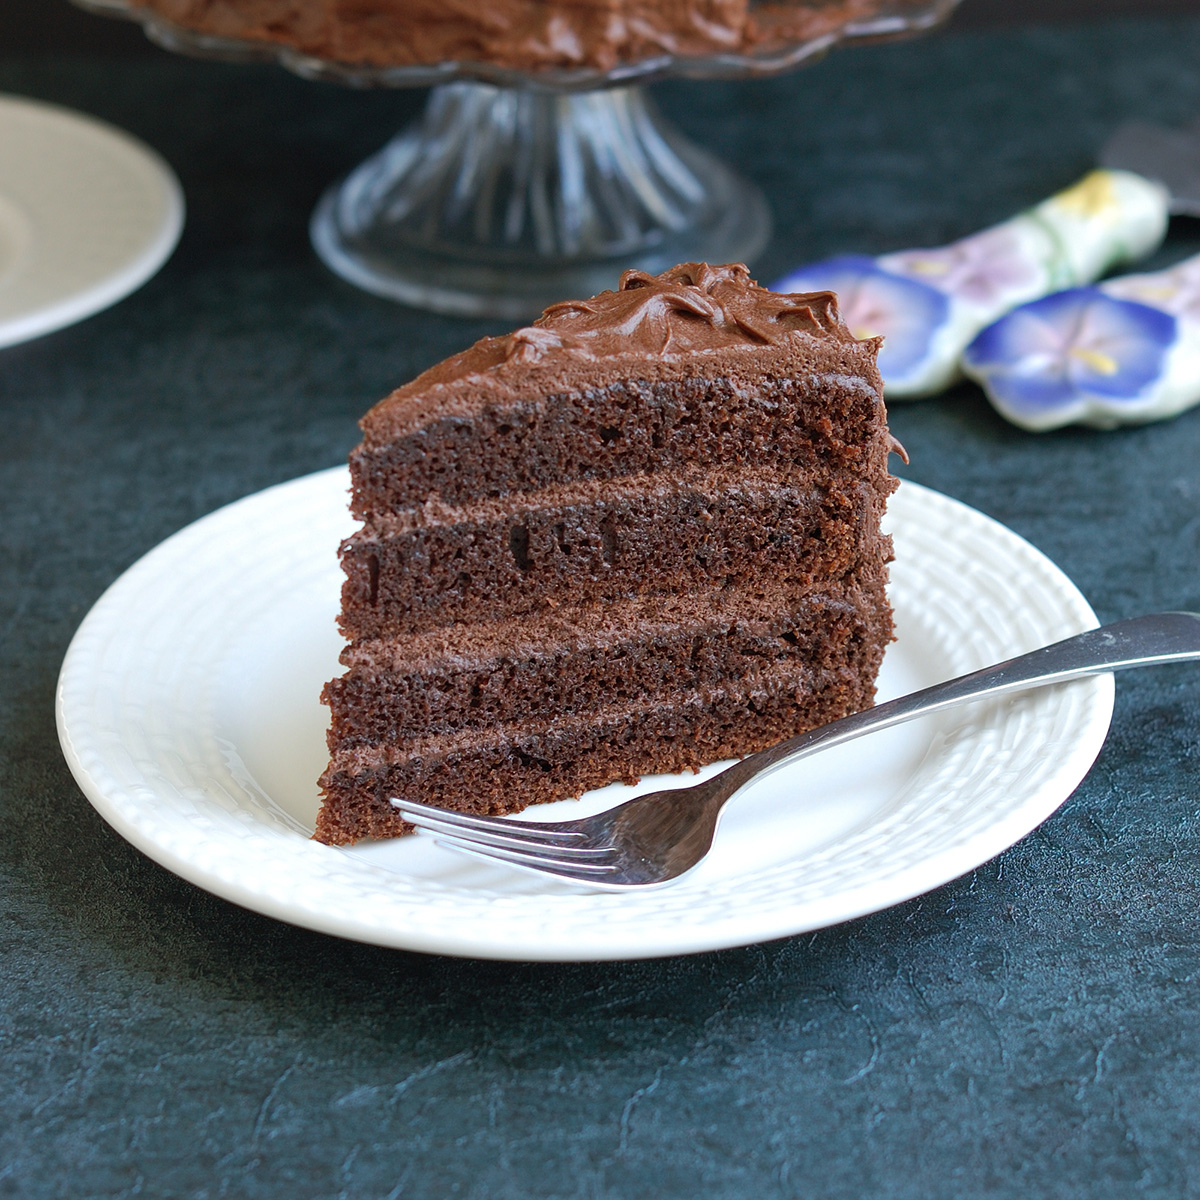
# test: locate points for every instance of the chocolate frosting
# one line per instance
(692, 307)
(519, 34)
(651, 324)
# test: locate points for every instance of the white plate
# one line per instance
(87, 214)
(188, 712)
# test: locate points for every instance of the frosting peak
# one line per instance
(693, 306)
(651, 325)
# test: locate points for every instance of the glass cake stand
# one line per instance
(517, 189)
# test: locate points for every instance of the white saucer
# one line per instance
(188, 712)
(87, 214)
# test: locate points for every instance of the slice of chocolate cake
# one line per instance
(641, 535)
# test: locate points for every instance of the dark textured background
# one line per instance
(1031, 1030)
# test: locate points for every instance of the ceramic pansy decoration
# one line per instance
(1122, 352)
(929, 304)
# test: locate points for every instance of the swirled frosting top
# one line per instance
(648, 324)
(689, 309)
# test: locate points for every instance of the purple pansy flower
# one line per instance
(1176, 291)
(1044, 363)
(874, 301)
(982, 269)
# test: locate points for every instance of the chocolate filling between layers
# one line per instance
(472, 677)
(526, 761)
(601, 542)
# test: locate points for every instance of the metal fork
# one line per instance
(652, 840)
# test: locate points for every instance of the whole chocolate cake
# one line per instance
(520, 34)
(640, 535)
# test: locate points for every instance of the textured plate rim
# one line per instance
(95, 297)
(131, 811)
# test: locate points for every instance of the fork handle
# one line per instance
(1137, 642)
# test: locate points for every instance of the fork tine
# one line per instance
(579, 872)
(498, 834)
(538, 831)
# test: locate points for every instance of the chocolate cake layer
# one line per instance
(533, 761)
(474, 677)
(645, 534)
(627, 427)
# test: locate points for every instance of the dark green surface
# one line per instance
(1032, 1030)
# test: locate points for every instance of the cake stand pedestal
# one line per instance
(500, 201)
(517, 189)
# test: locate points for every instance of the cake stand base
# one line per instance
(499, 202)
